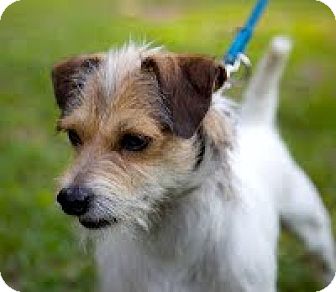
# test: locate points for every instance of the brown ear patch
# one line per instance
(186, 83)
(69, 76)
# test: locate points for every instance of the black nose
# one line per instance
(75, 200)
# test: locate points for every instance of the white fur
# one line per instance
(121, 62)
(217, 238)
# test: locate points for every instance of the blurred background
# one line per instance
(39, 250)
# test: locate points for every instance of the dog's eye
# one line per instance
(74, 138)
(134, 142)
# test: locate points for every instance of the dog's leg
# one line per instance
(302, 210)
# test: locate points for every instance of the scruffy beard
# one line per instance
(132, 212)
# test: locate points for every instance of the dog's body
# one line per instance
(208, 219)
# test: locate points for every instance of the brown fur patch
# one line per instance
(69, 76)
(187, 83)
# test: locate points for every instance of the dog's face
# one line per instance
(133, 119)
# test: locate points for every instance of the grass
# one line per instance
(38, 248)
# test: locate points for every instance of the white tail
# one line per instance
(261, 96)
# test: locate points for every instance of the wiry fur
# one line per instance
(213, 227)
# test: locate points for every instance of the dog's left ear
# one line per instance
(69, 77)
(186, 83)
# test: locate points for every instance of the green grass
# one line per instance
(39, 250)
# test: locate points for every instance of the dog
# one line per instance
(184, 188)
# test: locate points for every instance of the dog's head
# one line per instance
(134, 119)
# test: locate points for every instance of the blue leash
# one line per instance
(244, 35)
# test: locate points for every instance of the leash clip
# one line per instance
(244, 60)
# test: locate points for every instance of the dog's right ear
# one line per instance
(69, 76)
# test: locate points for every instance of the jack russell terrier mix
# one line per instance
(185, 189)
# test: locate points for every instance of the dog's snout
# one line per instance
(75, 200)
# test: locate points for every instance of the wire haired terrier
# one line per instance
(188, 188)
